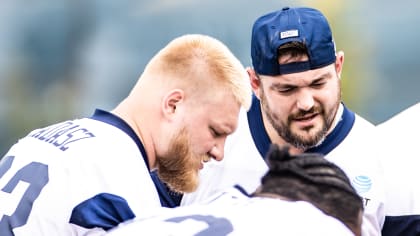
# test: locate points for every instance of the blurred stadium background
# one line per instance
(62, 59)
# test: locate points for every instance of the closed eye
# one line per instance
(215, 133)
(286, 89)
(321, 81)
(318, 84)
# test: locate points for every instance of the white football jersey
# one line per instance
(46, 174)
(400, 144)
(233, 213)
(348, 146)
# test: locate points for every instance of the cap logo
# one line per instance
(289, 33)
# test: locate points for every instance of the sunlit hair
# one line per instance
(190, 60)
(312, 178)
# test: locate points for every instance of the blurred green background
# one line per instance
(61, 59)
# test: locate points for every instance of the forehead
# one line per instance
(220, 111)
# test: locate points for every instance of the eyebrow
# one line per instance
(326, 75)
(224, 129)
(277, 85)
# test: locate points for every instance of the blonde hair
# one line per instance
(191, 59)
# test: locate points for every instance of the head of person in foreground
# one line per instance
(312, 178)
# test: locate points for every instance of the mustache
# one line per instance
(303, 113)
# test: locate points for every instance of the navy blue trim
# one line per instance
(401, 225)
(256, 125)
(111, 119)
(167, 197)
(104, 210)
(262, 140)
(242, 190)
(294, 67)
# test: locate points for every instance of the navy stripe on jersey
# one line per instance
(401, 225)
(262, 140)
(107, 210)
(109, 118)
(256, 125)
(242, 190)
(167, 197)
(104, 210)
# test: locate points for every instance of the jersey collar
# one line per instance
(111, 119)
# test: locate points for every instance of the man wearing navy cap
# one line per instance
(297, 102)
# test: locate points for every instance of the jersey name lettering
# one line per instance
(62, 134)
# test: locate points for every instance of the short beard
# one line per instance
(294, 139)
(299, 141)
(178, 168)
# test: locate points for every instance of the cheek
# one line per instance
(279, 105)
(329, 97)
(333, 90)
(201, 140)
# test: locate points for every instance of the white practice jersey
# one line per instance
(348, 146)
(233, 213)
(399, 142)
(46, 174)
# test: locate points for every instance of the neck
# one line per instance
(137, 122)
(337, 117)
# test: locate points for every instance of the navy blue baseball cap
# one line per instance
(306, 25)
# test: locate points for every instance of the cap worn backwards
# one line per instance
(305, 25)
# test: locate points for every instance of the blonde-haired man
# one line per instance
(94, 172)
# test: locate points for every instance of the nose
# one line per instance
(305, 100)
(217, 151)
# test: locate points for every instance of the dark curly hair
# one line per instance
(312, 178)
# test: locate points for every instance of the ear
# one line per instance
(339, 61)
(171, 101)
(254, 80)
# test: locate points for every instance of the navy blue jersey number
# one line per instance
(216, 226)
(36, 175)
